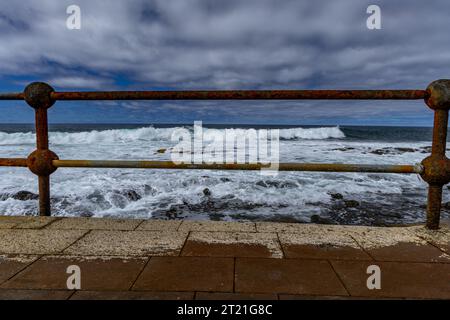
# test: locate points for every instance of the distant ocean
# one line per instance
(342, 198)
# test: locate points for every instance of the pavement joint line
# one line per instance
(82, 236)
(281, 246)
(138, 225)
(139, 274)
(51, 222)
(180, 254)
(339, 277)
(362, 248)
(22, 269)
(72, 294)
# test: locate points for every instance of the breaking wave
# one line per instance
(155, 134)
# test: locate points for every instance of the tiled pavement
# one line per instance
(155, 259)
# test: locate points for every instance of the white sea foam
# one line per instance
(179, 193)
(154, 134)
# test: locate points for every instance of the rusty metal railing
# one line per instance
(435, 169)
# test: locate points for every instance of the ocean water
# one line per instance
(343, 198)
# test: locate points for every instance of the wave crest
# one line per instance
(154, 134)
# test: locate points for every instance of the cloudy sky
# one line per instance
(225, 44)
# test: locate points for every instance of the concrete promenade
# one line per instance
(156, 259)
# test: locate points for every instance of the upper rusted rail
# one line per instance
(234, 95)
(435, 169)
(245, 95)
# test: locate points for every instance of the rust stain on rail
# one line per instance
(13, 162)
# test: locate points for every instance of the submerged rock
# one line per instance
(315, 218)
(207, 192)
(336, 196)
(351, 203)
(131, 195)
(25, 195)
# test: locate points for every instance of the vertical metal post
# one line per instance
(38, 96)
(437, 165)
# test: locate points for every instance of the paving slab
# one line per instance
(131, 295)
(217, 226)
(30, 241)
(187, 274)
(321, 242)
(95, 223)
(97, 273)
(128, 243)
(294, 276)
(159, 225)
(398, 279)
(12, 264)
(397, 244)
(233, 244)
(6, 294)
(440, 238)
(282, 227)
(25, 222)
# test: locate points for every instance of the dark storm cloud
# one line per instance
(229, 44)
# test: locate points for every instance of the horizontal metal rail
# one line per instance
(13, 162)
(234, 95)
(324, 167)
(142, 164)
(244, 95)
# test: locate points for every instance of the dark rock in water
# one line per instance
(315, 218)
(261, 183)
(225, 180)
(149, 190)
(207, 192)
(388, 150)
(118, 200)
(86, 214)
(25, 195)
(162, 150)
(343, 149)
(276, 184)
(445, 206)
(131, 195)
(96, 196)
(336, 196)
(406, 149)
(351, 203)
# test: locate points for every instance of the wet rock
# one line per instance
(225, 180)
(276, 184)
(132, 195)
(118, 200)
(162, 150)
(86, 214)
(261, 183)
(207, 192)
(406, 149)
(25, 195)
(149, 190)
(336, 196)
(343, 149)
(315, 218)
(96, 196)
(445, 205)
(351, 203)
(388, 150)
